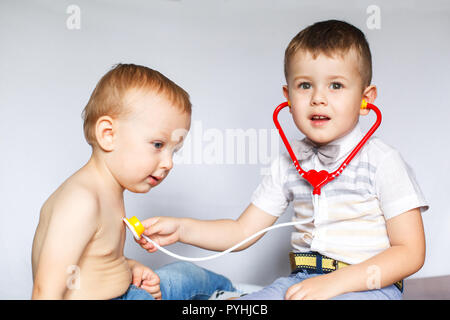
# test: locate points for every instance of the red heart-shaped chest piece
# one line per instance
(316, 178)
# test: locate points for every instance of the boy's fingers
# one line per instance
(149, 222)
(149, 246)
(154, 249)
(152, 289)
(137, 278)
(151, 282)
(153, 229)
(149, 274)
(294, 293)
(146, 245)
(290, 291)
(160, 240)
(141, 241)
(157, 295)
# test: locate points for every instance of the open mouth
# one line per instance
(319, 117)
(319, 120)
(153, 180)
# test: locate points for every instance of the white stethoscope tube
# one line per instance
(220, 253)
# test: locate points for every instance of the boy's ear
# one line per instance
(369, 94)
(286, 95)
(104, 133)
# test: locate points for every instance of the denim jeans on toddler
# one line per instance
(277, 290)
(182, 281)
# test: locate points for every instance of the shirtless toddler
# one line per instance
(135, 120)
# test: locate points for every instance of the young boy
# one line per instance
(365, 233)
(135, 120)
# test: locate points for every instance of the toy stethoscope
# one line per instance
(316, 179)
(319, 179)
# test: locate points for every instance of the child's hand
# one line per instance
(145, 278)
(317, 288)
(162, 230)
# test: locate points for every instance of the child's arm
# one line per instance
(405, 257)
(217, 235)
(72, 224)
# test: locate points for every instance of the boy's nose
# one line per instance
(166, 162)
(318, 98)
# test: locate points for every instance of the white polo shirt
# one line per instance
(349, 221)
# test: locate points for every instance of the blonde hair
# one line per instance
(331, 37)
(108, 95)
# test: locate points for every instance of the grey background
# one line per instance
(229, 56)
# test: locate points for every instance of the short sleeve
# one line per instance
(397, 188)
(269, 195)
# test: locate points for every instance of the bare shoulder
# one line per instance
(74, 196)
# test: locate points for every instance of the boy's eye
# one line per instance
(305, 85)
(158, 145)
(336, 85)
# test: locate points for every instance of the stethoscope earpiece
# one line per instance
(364, 104)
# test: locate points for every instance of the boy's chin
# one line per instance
(320, 140)
(317, 138)
(140, 188)
(324, 137)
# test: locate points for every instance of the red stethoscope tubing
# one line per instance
(319, 179)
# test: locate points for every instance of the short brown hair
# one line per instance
(331, 37)
(108, 96)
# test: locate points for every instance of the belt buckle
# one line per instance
(335, 264)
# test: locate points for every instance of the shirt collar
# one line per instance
(348, 142)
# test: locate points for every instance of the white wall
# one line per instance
(228, 55)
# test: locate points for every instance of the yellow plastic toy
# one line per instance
(364, 104)
(135, 226)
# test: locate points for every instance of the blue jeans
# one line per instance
(278, 288)
(182, 281)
